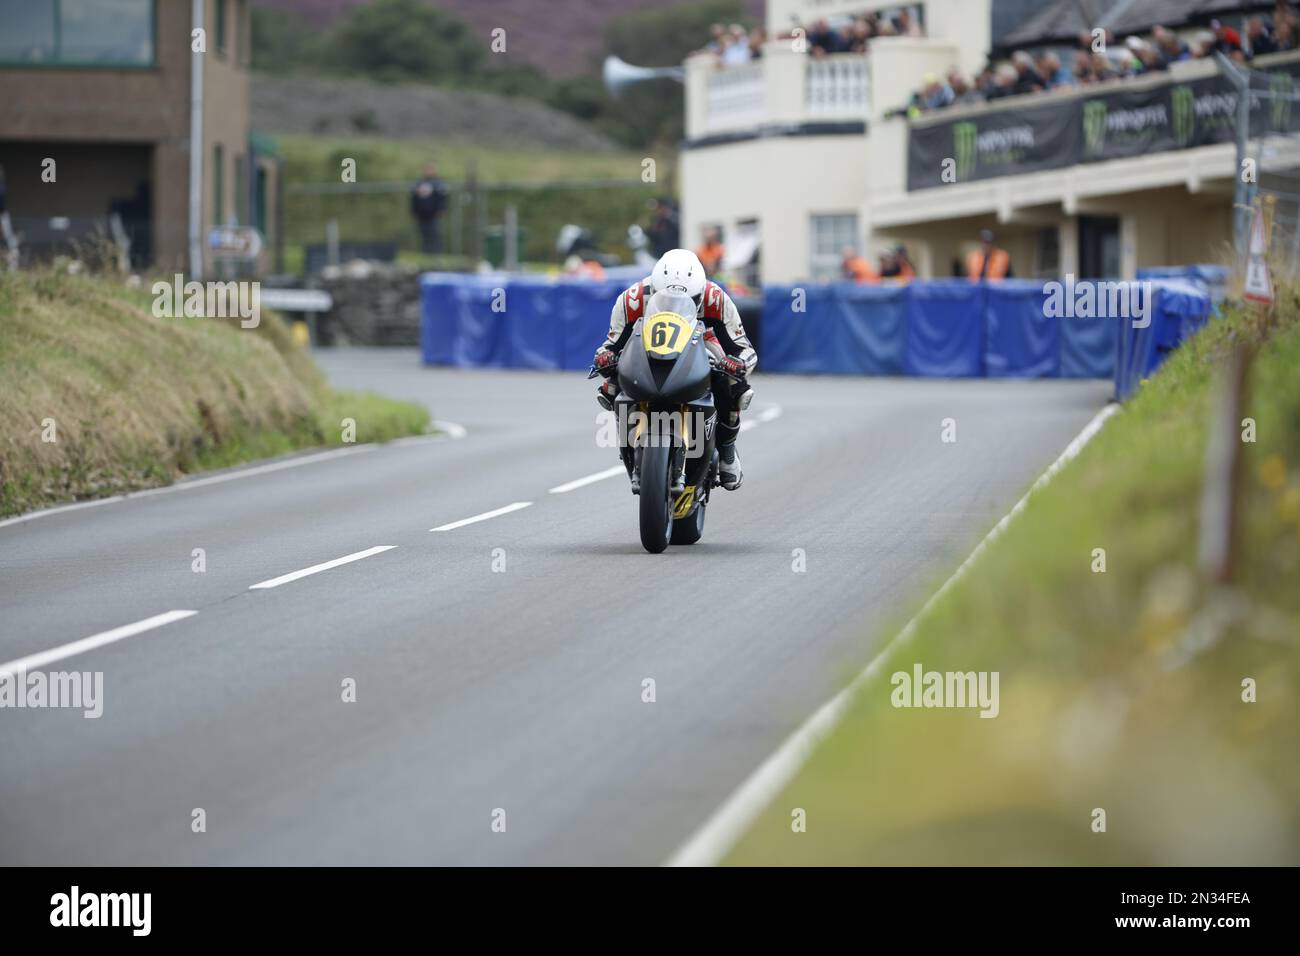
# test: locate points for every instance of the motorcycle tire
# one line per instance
(656, 500)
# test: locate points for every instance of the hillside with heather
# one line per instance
(566, 41)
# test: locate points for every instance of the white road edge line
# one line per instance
(451, 430)
(719, 833)
(588, 480)
(766, 415)
(317, 568)
(42, 658)
(483, 517)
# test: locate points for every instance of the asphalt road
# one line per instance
(480, 689)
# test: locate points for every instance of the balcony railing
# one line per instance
(838, 86)
(737, 97)
(782, 88)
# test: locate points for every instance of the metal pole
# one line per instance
(1241, 190)
(196, 147)
(512, 238)
(332, 242)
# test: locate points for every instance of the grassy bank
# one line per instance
(132, 401)
(1118, 689)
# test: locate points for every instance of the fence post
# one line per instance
(512, 238)
(1221, 485)
(332, 242)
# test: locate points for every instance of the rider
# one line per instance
(680, 270)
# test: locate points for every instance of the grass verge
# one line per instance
(1116, 691)
(98, 396)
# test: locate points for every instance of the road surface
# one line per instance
(498, 665)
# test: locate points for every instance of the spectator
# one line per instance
(428, 202)
(1027, 78)
(1004, 82)
(1203, 44)
(1226, 40)
(907, 27)
(1102, 68)
(583, 267)
(757, 37)
(894, 264)
(962, 92)
(988, 262)
(718, 40)
(1083, 72)
(1150, 59)
(1284, 34)
(936, 94)
(856, 268)
(1053, 73)
(665, 228)
(1171, 48)
(859, 35)
(710, 253)
(736, 51)
(821, 40)
(1259, 37)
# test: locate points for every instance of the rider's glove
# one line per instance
(605, 360)
(732, 366)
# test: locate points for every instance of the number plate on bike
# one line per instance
(666, 334)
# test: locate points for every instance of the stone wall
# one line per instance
(375, 303)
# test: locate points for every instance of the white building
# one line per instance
(802, 154)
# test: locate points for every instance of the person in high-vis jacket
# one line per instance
(988, 261)
(680, 270)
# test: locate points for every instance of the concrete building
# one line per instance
(810, 154)
(103, 89)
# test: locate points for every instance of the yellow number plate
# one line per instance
(666, 334)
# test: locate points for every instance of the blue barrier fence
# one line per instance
(945, 328)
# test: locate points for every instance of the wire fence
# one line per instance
(473, 223)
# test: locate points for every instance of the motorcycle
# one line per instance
(667, 421)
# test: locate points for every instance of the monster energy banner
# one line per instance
(1090, 129)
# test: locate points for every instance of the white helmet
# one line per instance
(680, 270)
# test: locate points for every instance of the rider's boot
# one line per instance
(729, 473)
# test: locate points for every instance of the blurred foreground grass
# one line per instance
(1106, 702)
(138, 400)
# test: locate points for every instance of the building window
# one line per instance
(221, 26)
(241, 195)
(218, 186)
(108, 33)
(830, 234)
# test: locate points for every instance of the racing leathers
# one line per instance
(724, 337)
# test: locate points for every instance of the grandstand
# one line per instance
(1128, 161)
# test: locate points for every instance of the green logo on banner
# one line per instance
(1183, 102)
(1279, 84)
(964, 137)
(1094, 126)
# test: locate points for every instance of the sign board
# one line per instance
(1259, 284)
(1057, 130)
(235, 242)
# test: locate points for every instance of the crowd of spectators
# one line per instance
(1097, 59)
(734, 44)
